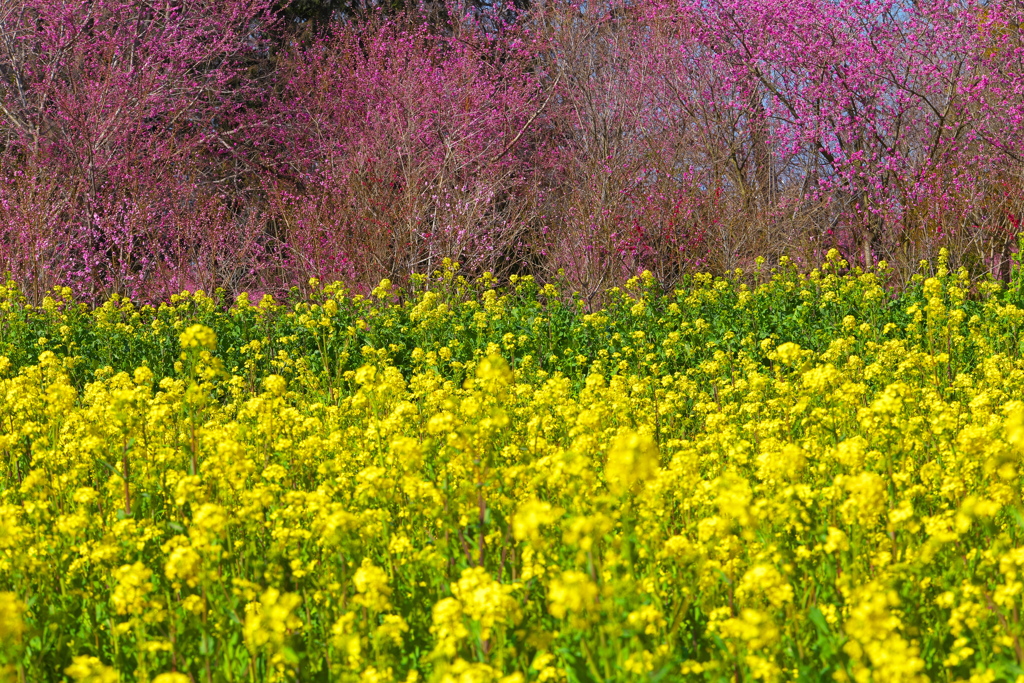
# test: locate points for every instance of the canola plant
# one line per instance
(772, 476)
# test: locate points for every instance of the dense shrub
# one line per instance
(150, 147)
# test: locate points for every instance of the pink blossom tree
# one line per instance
(397, 146)
(107, 108)
(903, 116)
(149, 146)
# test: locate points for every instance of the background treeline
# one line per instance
(148, 146)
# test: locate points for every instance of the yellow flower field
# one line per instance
(690, 501)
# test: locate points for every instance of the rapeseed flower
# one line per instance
(87, 669)
(504, 488)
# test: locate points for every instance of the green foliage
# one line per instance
(452, 321)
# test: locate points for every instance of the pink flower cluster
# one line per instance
(148, 146)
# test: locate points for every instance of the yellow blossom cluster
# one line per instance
(768, 509)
